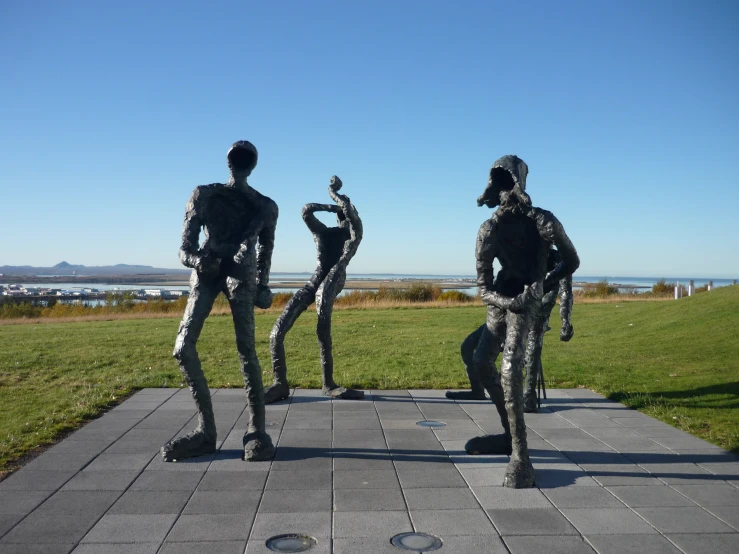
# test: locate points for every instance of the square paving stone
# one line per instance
(50, 528)
(169, 480)
(233, 480)
(101, 480)
(201, 463)
(278, 501)
(648, 496)
(488, 544)
(211, 547)
(314, 524)
(561, 475)
(59, 548)
(122, 528)
(79, 502)
(21, 502)
(619, 474)
(710, 494)
(548, 544)
(323, 546)
(117, 548)
(118, 462)
(211, 527)
(607, 521)
(531, 521)
(300, 480)
(353, 423)
(375, 545)
(370, 479)
(344, 461)
(683, 520)
(371, 524)
(703, 543)
(224, 502)
(441, 499)
(60, 462)
(503, 497)
(729, 514)
(582, 497)
(633, 544)
(453, 522)
(431, 478)
(8, 520)
(352, 500)
(483, 476)
(680, 474)
(151, 502)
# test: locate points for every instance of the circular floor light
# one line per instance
(416, 542)
(291, 543)
(430, 423)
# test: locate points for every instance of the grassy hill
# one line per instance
(678, 361)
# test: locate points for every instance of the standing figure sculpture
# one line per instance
(519, 236)
(235, 258)
(336, 246)
(479, 350)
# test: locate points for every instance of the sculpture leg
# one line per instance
(203, 439)
(520, 471)
(325, 297)
(300, 301)
(257, 443)
(485, 356)
(469, 345)
(534, 347)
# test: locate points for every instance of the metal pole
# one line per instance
(678, 292)
(691, 288)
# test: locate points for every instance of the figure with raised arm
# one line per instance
(336, 246)
(479, 350)
(235, 258)
(519, 236)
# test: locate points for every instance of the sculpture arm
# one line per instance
(552, 231)
(189, 253)
(485, 253)
(266, 244)
(356, 229)
(313, 223)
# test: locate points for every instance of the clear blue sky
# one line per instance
(626, 113)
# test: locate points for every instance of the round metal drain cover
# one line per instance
(291, 543)
(417, 542)
(429, 423)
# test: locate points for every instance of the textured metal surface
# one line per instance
(335, 248)
(520, 237)
(235, 258)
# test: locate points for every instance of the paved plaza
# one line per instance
(352, 474)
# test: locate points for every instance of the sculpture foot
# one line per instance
(197, 443)
(275, 393)
(465, 395)
(530, 404)
(343, 393)
(519, 475)
(489, 444)
(258, 447)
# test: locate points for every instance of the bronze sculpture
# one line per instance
(519, 236)
(336, 246)
(235, 258)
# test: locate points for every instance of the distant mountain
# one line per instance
(65, 268)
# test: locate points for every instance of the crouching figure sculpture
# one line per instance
(519, 236)
(336, 246)
(235, 259)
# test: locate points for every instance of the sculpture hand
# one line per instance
(567, 332)
(264, 297)
(336, 184)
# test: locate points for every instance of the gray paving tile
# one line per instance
(120, 462)
(129, 528)
(440, 499)
(353, 423)
(50, 529)
(728, 514)
(210, 527)
(353, 500)
(436, 478)
(467, 544)
(443, 523)
(211, 547)
(233, 480)
(79, 502)
(650, 496)
(370, 479)
(632, 544)
(21, 502)
(117, 548)
(101, 480)
(8, 520)
(561, 475)
(375, 545)
(277, 501)
(683, 520)
(618, 474)
(607, 521)
(224, 502)
(316, 524)
(684, 474)
(200, 464)
(371, 524)
(582, 497)
(60, 462)
(702, 543)
(59, 548)
(717, 494)
(299, 480)
(151, 502)
(531, 521)
(503, 497)
(548, 544)
(323, 546)
(167, 480)
(347, 462)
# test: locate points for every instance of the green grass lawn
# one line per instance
(677, 361)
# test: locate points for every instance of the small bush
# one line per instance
(455, 296)
(663, 287)
(601, 289)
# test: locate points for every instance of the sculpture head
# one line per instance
(507, 183)
(242, 158)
